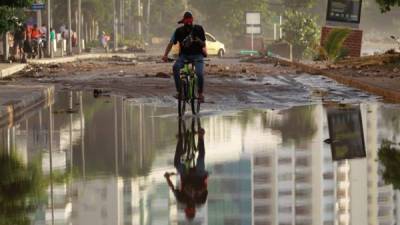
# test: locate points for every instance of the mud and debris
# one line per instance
(382, 71)
(228, 82)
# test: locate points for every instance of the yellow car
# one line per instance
(214, 47)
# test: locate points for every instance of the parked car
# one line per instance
(214, 47)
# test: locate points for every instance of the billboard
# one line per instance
(346, 133)
(347, 11)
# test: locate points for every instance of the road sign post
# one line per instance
(38, 6)
(253, 25)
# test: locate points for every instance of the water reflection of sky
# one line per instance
(266, 167)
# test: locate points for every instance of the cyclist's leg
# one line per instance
(178, 153)
(177, 70)
(200, 165)
(199, 67)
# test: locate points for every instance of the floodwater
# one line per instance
(102, 162)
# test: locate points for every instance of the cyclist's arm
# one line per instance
(170, 184)
(169, 46)
(168, 49)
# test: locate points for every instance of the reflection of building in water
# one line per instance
(359, 183)
(293, 183)
(265, 168)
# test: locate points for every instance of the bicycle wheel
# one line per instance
(195, 103)
(181, 98)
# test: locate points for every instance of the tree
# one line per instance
(164, 15)
(226, 18)
(300, 30)
(386, 5)
(333, 49)
(11, 13)
(21, 188)
(296, 4)
(389, 157)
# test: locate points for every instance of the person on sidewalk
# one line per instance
(19, 37)
(104, 41)
(53, 42)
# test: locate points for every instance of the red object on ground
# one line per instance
(353, 42)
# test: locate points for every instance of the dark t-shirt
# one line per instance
(183, 35)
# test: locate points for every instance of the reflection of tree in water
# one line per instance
(139, 137)
(391, 120)
(389, 157)
(21, 187)
(298, 124)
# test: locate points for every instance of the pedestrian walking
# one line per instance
(19, 37)
(104, 39)
(53, 42)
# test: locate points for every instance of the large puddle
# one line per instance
(102, 162)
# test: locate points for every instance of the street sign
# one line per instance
(253, 18)
(253, 25)
(253, 30)
(38, 6)
(346, 133)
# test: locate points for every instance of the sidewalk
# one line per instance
(371, 87)
(17, 100)
(7, 69)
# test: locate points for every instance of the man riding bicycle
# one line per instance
(192, 43)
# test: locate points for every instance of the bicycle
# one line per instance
(190, 142)
(188, 89)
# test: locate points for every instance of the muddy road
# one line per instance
(229, 83)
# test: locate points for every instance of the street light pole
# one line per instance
(69, 29)
(115, 25)
(79, 34)
(49, 51)
(139, 18)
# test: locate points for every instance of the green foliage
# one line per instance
(386, 5)
(16, 3)
(390, 159)
(11, 13)
(226, 19)
(135, 42)
(21, 187)
(333, 49)
(296, 4)
(301, 30)
(164, 16)
(93, 44)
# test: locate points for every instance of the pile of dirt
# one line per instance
(380, 70)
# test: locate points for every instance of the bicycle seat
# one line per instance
(187, 61)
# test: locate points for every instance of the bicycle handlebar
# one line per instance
(188, 61)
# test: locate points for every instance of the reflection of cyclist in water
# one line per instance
(193, 186)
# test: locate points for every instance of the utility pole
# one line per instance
(115, 22)
(38, 16)
(139, 18)
(148, 20)
(69, 29)
(121, 18)
(79, 34)
(49, 45)
(6, 47)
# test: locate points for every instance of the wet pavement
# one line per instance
(103, 161)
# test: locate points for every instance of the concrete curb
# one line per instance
(11, 112)
(14, 68)
(393, 96)
(80, 57)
